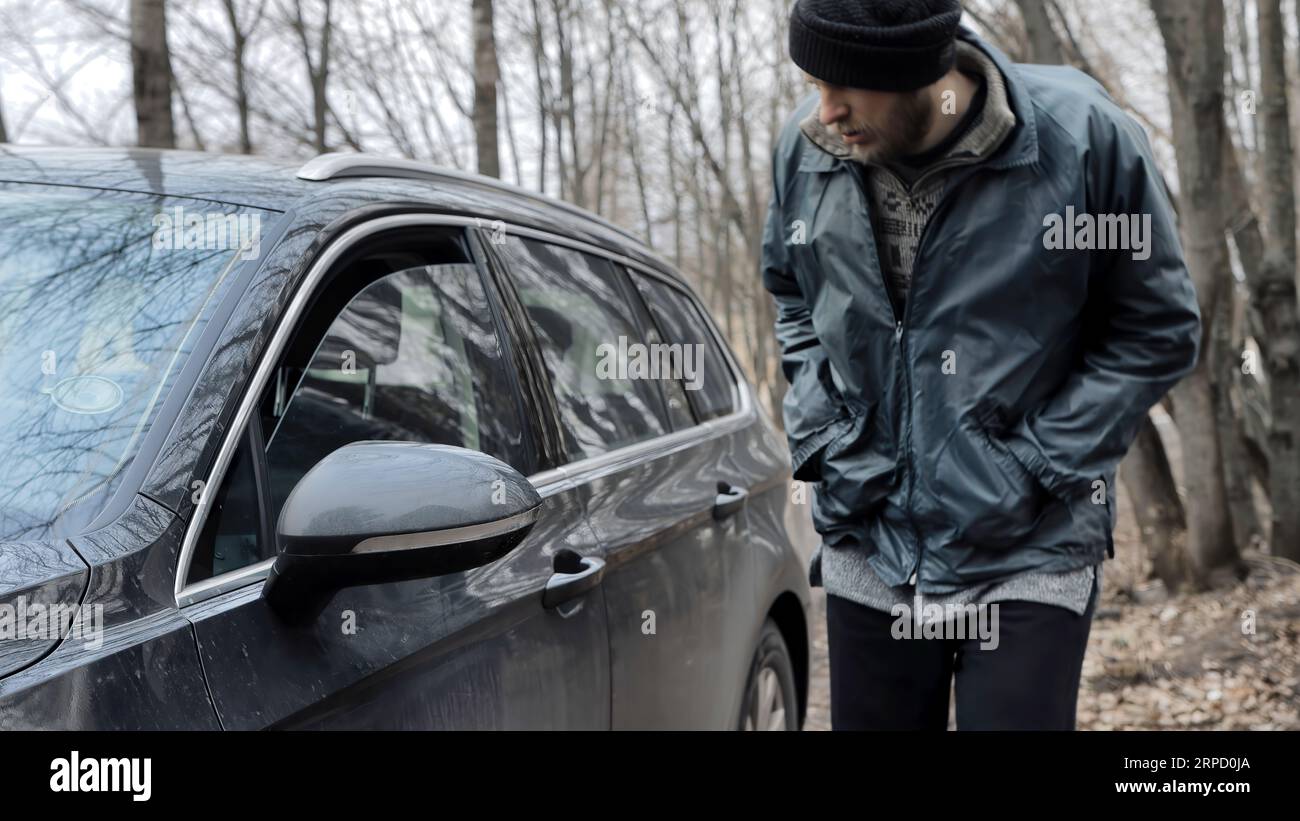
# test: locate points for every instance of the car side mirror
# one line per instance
(376, 512)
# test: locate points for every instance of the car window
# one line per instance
(670, 357)
(232, 534)
(99, 310)
(413, 357)
(589, 341)
(708, 379)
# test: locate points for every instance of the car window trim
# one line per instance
(505, 326)
(548, 482)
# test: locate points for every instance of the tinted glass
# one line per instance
(706, 377)
(413, 357)
(231, 536)
(583, 322)
(99, 305)
(670, 371)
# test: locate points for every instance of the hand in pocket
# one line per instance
(858, 469)
(991, 498)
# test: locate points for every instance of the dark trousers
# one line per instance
(1029, 681)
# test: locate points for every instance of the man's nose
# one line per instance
(832, 111)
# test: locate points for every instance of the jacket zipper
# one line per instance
(858, 175)
(900, 326)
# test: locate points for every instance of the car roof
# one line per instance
(236, 179)
(278, 185)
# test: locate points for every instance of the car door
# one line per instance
(704, 546)
(412, 354)
(678, 588)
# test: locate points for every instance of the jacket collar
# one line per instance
(1022, 145)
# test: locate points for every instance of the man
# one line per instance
(980, 294)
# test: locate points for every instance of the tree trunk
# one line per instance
(320, 80)
(1194, 55)
(1275, 288)
(562, 97)
(1044, 45)
(151, 74)
(543, 111)
(239, 46)
(1210, 540)
(675, 194)
(1225, 364)
(1249, 132)
(1149, 482)
(318, 68)
(486, 76)
(601, 124)
(630, 105)
(566, 109)
(511, 139)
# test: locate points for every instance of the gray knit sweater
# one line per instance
(899, 212)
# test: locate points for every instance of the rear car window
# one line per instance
(711, 388)
(586, 329)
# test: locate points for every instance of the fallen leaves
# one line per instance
(1225, 659)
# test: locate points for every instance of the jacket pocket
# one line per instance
(815, 415)
(992, 501)
(806, 455)
(859, 469)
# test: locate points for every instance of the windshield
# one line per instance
(102, 294)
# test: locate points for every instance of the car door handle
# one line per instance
(574, 576)
(729, 500)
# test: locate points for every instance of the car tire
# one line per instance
(770, 701)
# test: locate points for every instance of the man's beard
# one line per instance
(900, 134)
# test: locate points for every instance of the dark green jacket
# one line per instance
(977, 435)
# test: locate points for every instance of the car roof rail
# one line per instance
(339, 164)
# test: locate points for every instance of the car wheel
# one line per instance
(770, 696)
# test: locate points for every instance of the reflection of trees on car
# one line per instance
(399, 363)
(573, 302)
(83, 292)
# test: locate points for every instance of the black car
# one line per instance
(372, 444)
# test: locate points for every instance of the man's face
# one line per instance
(876, 126)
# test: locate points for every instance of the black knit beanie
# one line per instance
(886, 45)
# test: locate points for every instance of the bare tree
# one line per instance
(563, 110)
(1194, 54)
(1275, 287)
(1242, 79)
(631, 106)
(316, 56)
(1044, 45)
(537, 39)
(1156, 507)
(151, 74)
(239, 34)
(487, 74)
